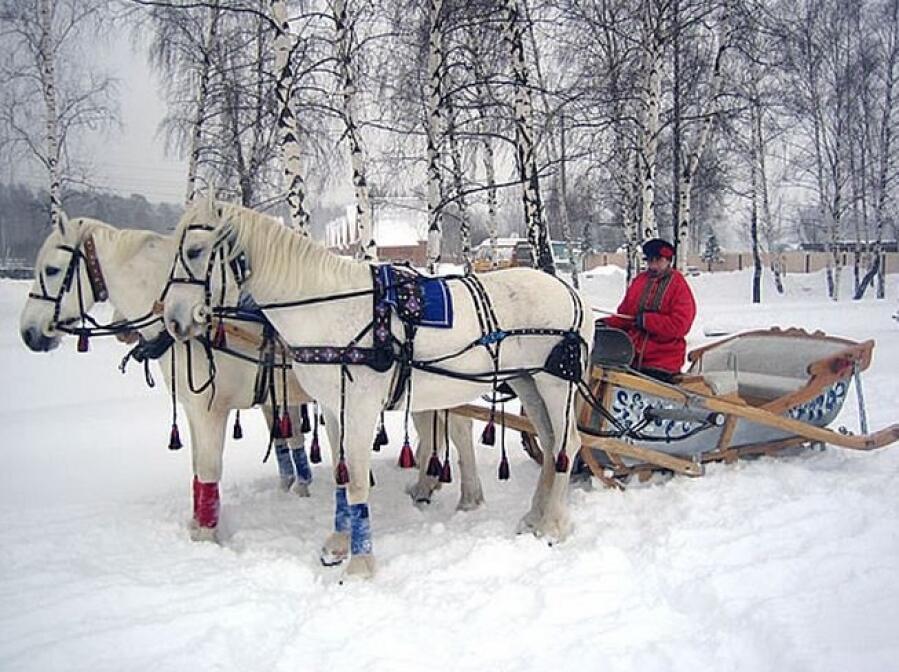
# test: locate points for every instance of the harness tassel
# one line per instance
(219, 340)
(174, 438)
(286, 426)
(371, 478)
(488, 436)
(315, 451)
(305, 425)
(407, 459)
(503, 472)
(446, 473)
(237, 432)
(562, 462)
(83, 343)
(276, 426)
(342, 476)
(434, 466)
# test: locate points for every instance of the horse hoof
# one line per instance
(420, 493)
(359, 567)
(553, 531)
(470, 503)
(301, 489)
(336, 549)
(202, 534)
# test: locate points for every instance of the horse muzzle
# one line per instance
(37, 340)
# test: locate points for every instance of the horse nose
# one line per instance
(179, 332)
(35, 340)
(29, 336)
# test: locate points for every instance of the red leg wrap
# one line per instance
(206, 503)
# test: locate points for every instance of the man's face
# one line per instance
(657, 265)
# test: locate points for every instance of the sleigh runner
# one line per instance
(755, 393)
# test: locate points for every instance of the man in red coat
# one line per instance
(657, 312)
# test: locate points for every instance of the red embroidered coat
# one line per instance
(664, 309)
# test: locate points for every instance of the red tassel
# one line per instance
(83, 343)
(343, 474)
(446, 474)
(305, 425)
(286, 426)
(174, 438)
(219, 340)
(562, 462)
(276, 426)
(407, 459)
(315, 451)
(237, 433)
(434, 467)
(503, 473)
(488, 436)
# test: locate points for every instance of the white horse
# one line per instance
(135, 266)
(531, 321)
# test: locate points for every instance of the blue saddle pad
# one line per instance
(417, 299)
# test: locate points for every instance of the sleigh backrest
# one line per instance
(774, 363)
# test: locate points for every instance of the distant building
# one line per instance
(847, 246)
(400, 230)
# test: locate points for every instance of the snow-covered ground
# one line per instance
(786, 564)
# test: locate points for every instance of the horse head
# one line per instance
(56, 299)
(202, 274)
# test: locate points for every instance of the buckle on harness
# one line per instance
(492, 337)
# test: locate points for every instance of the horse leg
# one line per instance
(207, 431)
(336, 548)
(472, 494)
(282, 452)
(298, 455)
(424, 487)
(358, 433)
(527, 391)
(559, 398)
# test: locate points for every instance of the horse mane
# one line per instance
(124, 243)
(284, 263)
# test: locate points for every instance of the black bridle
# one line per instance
(84, 251)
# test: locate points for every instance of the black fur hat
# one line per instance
(657, 247)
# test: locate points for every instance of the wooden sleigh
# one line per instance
(756, 393)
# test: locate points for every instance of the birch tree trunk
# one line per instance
(435, 131)
(458, 187)
(196, 135)
(684, 239)
(753, 193)
(288, 127)
(649, 128)
(885, 142)
(46, 50)
(526, 159)
(367, 247)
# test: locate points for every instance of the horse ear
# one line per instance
(63, 222)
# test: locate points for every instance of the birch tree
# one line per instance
(367, 248)
(42, 72)
(525, 153)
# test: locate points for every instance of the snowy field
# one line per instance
(775, 564)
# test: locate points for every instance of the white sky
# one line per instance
(132, 159)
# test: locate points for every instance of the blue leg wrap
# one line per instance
(360, 536)
(341, 511)
(285, 466)
(301, 462)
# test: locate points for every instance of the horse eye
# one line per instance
(194, 252)
(50, 271)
